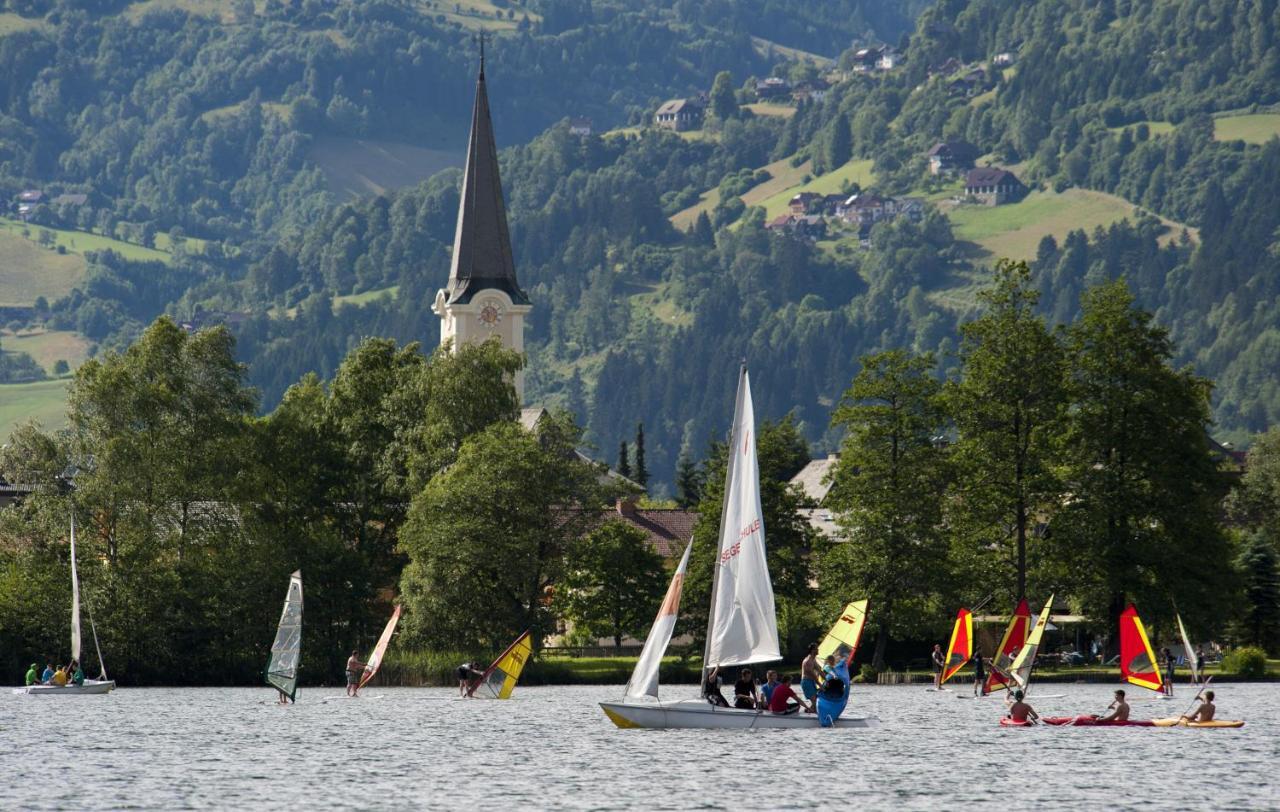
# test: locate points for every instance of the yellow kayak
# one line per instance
(1180, 722)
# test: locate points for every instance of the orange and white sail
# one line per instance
(1189, 652)
(644, 679)
(375, 658)
(1137, 658)
(960, 649)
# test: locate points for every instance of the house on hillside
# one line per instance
(946, 68)
(865, 208)
(991, 186)
(911, 208)
(680, 115)
(32, 196)
(810, 91)
(70, 200)
(951, 156)
(805, 202)
(865, 59)
(1003, 59)
(580, 125)
(889, 58)
(773, 89)
(800, 226)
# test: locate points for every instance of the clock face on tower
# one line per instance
(490, 313)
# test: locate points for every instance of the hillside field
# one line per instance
(856, 171)
(28, 270)
(1256, 128)
(42, 401)
(48, 346)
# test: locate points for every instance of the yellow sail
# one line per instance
(842, 640)
(500, 679)
(1026, 659)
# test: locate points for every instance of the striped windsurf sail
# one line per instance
(282, 668)
(644, 679)
(960, 649)
(500, 678)
(842, 640)
(1020, 670)
(1137, 658)
(1190, 652)
(1015, 637)
(375, 658)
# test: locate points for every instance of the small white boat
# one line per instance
(700, 714)
(90, 686)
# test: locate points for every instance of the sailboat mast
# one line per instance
(75, 596)
(724, 512)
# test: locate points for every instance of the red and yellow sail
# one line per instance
(500, 678)
(1015, 637)
(960, 649)
(375, 658)
(1137, 658)
(842, 640)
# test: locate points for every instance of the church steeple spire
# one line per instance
(481, 245)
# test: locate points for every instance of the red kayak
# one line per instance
(1091, 721)
(1005, 721)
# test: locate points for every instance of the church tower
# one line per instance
(482, 298)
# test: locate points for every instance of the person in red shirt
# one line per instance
(780, 700)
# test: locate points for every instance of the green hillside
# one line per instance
(43, 401)
(1257, 128)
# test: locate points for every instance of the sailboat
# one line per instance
(1015, 637)
(960, 648)
(1024, 663)
(101, 685)
(1190, 652)
(282, 668)
(375, 657)
(742, 627)
(1137, 658)
(500, 678)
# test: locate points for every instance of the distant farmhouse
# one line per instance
(773, 89)
(991, 186)
(951, 156)
(680, 115)
(815, 90)
(809, 212)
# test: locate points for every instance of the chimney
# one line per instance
(626, 506)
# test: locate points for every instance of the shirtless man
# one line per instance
(1205, 712)
(1020, 711)
(355, 670)
(1120, 712)
(810, 675)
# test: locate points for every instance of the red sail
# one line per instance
(960, 650)
(1137, 658)
(1015, 637)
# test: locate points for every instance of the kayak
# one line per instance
(1179, 722)
(1090, 721)
(1005, 721)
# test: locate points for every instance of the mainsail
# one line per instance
(500, 678)
(960, 649)
(1020, 670)
(375, 657)
(742, 626)
(842, 640)
(644, 679)
(75, 597)
(1137, 658)
(1015, 637)
(282, 668)
(1190, 652)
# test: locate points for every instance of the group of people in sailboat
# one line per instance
(70, 674)
(777, 694)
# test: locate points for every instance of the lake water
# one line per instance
(553, 748)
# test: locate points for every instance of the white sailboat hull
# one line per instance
(698, 714)
(91, 686)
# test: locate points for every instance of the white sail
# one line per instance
(1020, 670)
(75, 597)
(742, 627)
(1190, 652)
(644, 679)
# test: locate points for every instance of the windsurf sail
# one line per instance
(960, 649)
(1137, 658)
(500, 678)
(1020, 670)
(282, 668)
(75, 597)
(375, 657)
(644, 679)
(742, 625)
(842, 640)
(1015, 637)
(1189, 652)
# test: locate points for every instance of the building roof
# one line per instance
(957, 150)
(482, 244)
(71, 200)
(668, 529)
(989, 176)
(672, 106)
(812, 479)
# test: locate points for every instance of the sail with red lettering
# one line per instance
(500, 678)
(960, 649)
(375, 658)
(1015, 637)
(1137, 658)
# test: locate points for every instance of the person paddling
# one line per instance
(1020, 711)
(1119, 709)
(1205, 712)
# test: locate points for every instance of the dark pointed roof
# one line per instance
(481, 244)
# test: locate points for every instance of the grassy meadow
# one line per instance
(42, 401)
(1255, 128)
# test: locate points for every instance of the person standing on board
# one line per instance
(1169, 664)
(809, 675)
(744, 691)
(1205, 712)
(1020, 711)
(979, 674)
(780, 701)
(467, 672)
(1200, 661)
(355, 670)
(1121, 712)
(938, 662)
(33, 674)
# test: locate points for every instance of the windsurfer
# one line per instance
(1020, 711)
(466, 673)
(938, 662)
(711, 689)
(355, 670)
(979, 674)
(1119, 709)
(284, 698)
(745, 695)
(810, 674)
(1205, 712)
(780, 701)
(1169, 663)
(1200, 661)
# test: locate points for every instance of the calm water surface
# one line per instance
(553, 748)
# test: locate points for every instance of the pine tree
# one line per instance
(624, 459)
(642, 471)
(724, 105)
(689, 481)
(1261, 572)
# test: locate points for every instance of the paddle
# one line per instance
(1204, 687)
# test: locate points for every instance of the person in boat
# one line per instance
(46, 678)
(1205, 712)
(466, 673)
(1020, 711)
(33, 674)
(979, 674)
(355, 670)
(1169, 663)
(1119, 709)
(711, 689)
(810, 675)
(75, 674)
(939, 660)
(780, 701)
(745, 695)
(766, 688)
(60, 677)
